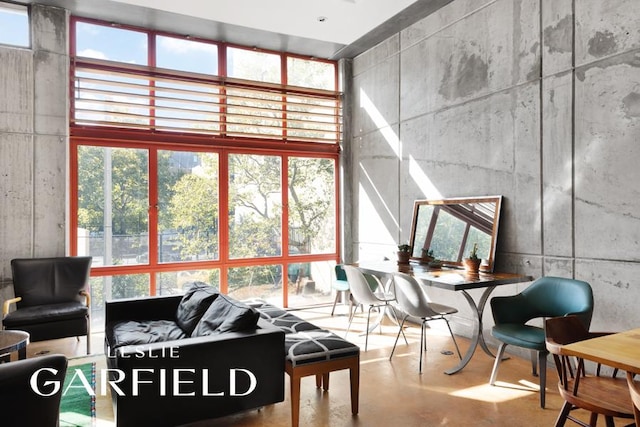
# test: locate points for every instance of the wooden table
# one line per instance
(453, 280)
(11, 341)
(620, 350)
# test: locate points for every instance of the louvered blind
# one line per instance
(140, 98)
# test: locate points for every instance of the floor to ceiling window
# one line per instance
(194, 160)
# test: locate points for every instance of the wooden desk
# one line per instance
(621, 350)
(453, 280)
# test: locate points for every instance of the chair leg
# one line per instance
(422, 343)
(354, 379)
(88, 336)
(453, 338)
(397, 337)
(542, 362)
(496, 364)
(564, 413)
(395, 317)
(335, 301)
(351, 315)
(534, 362)
(366, 337)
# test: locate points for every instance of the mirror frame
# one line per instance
(488, 267)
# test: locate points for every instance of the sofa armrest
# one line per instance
(152, 308)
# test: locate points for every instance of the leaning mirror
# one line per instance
(447, 229)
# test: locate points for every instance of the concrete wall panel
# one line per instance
(557, 172)
(376, 55)
(49, 187)
(51, 100)
(607, 223)
(491, 50)
(376, 175)
(50, 24)
(606, 28)
(16, 186)
(376, 97)
(616, 293)
(16, 90)
(557, 36)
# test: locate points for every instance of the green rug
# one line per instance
(78, 407)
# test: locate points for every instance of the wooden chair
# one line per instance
(634, 390)
(599, 395)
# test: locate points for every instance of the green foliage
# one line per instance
(474, 252)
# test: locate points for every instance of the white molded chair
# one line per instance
(362, 293)
(413, 301)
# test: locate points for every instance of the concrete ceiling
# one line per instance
(336, 21)
(349, 27)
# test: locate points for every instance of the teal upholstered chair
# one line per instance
(546, 297)
(341, 286)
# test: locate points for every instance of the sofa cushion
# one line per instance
(317, 345)
(195, 302)
(134, 332)
(226, 314)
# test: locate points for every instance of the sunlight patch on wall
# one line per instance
(381, 124)
(422, 180)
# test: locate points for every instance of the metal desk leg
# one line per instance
(477, 336)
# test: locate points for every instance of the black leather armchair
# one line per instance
(51, 297)
(16, 391)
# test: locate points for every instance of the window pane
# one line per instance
(250, 65)
(308, 73)
(186, 55)
(14, 25)
(312, 208)
(255, 206)
(310, 283)
(187, 206)
(114, 44)
(104, 98)
(194, 107)
(114, 287)
(264, 282)
(174, 282)
(113, 205)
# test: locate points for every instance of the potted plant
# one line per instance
(404, 253)
(426, 256)
(472, 263)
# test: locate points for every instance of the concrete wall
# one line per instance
(33, 143)
(536, 100)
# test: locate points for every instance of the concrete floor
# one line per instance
(393, 393)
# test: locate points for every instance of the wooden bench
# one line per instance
(311, 350)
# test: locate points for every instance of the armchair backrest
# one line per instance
(16, 391)
(40, 281)
(546, 297)
(340, 274)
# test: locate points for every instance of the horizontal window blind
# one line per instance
(138, 97)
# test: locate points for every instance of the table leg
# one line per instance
(477, 337)
(22, 353)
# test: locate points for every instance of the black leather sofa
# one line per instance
(181, 359)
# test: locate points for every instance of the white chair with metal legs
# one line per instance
(363, 294)
(413, 301)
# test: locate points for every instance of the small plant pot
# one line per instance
(471, 265)
(403, 257)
